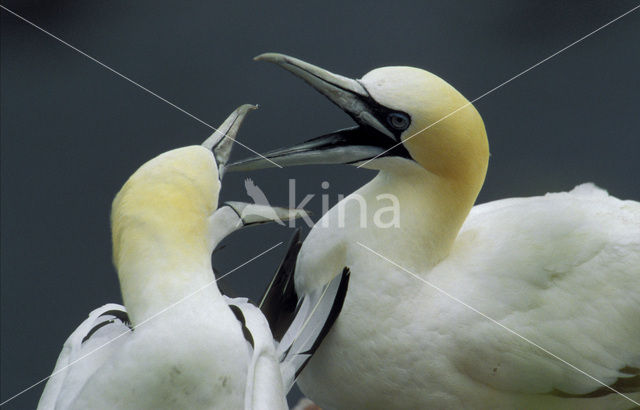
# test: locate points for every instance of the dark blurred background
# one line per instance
(72, 131)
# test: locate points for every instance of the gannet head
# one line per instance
(170, 204)
(165, 206)
(165, 221)
(160, 232)
(166, 203)
(405, 116)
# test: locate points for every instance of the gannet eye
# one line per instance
(398, 121)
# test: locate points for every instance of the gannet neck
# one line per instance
(153, 276)
(161, 236)
(432, 209)
(406, 213)
(448, 142)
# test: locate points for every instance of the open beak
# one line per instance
(369, 139)
(221, 141)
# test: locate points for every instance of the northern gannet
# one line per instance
(180, 343)
(417, 331)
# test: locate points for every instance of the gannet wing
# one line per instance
(280, 302)
(567, 278)
(316, 315)
(264, 389)
(87, 349)
(300, 323)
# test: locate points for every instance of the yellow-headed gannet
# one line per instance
(454, 306)
(181, 344)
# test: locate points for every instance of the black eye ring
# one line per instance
(398, 121)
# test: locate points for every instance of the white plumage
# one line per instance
(563, 277)
(179, 344)
(461, 307)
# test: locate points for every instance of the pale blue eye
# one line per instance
(398, 121)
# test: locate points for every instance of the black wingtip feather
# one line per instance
(280, 301)
(245, 330)
(120, 315)
(336, 308)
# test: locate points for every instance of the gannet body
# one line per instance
(518, 303)
(180, 343)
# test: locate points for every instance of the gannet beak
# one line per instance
(233, 216)
(369, 139)
(221, 141)
(253, 214)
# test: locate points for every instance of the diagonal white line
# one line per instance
(503, 84)
(140, 324)
(133, 82)
(444, 292)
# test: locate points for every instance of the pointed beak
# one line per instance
(348, 146)
(221, 141)
(252, 214)
(236, 215)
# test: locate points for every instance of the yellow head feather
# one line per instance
(447, 135)
(163, 208)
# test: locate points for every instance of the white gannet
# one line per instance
(561, 270)
(181, 344)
